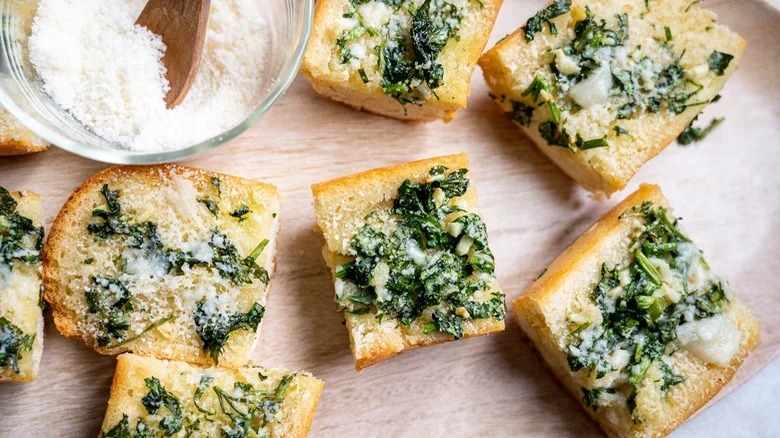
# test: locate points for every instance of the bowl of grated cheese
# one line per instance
(82, 75)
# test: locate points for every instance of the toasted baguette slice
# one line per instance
(346, 207)
(211, 401)
(15, 139)
(562, 310)
(21, 318)
(661, 34)
(337, 54)
(170, 273)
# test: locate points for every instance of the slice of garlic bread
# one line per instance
(603, 87)
(15, 139)
(634, 323)
(407, 59)
(153, 397)
(164, 261)
(410, 257)
(21, 318)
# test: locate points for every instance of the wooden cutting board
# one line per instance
(726, 188)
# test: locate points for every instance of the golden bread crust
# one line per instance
(341, 206)
(15, 139)
(181, 379)
(541, 309)
(19, 300)
(510, 66)
(68, 238)
(458, 58)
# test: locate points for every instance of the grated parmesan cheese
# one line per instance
(108, 73)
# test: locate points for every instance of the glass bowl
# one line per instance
(21, 91)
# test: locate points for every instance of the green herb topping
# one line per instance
(534, 24)
(20, 240)
(408, 54)
(596, 68)
(719, 62)
(226, 259)
(120, 430)
(243, 411)
(217, 185)
(210, 205)
(214, 328)
(241, 212)
(432, 265)
(13, 342)
(158, 398)
(641, 306)
(110, 300)
(250, 410)
(693, 134)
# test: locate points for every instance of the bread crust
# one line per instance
(340, 205)
(350, 198)
(15, 139)
(607, 170)
(69, 221)
(536, 309)
(459, 59)
(29, 205)
(298, 408)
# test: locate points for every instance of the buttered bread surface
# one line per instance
(634, 323)
(602, 87)
(152, 397)
(407, 59)
(164, 261)
(21, 316)
(410, 257)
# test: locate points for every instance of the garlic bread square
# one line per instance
(410, 258)
(21, 317)
(407, 59)
(634, 323)
(164, 261)
(603, 87)
(153, 397)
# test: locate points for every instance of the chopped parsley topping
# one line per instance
(158, 398)
(435, 259)
(241, 212)
(214, 328)
(217, 185)
(13, 342)
(110, 301)
(619, 130)
(407, 54)
(226, 259)
(210, 205)
(719, 62)
(592, 69)
(20, 240)
(521, 113)
(120, 430)
(534, 24)
(640, 315)
(203, 385)
(693, 134)
(243, 411)
(250, 410)
(590, 397)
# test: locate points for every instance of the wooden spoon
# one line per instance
(182, 25)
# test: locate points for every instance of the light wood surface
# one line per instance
(727, 189)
